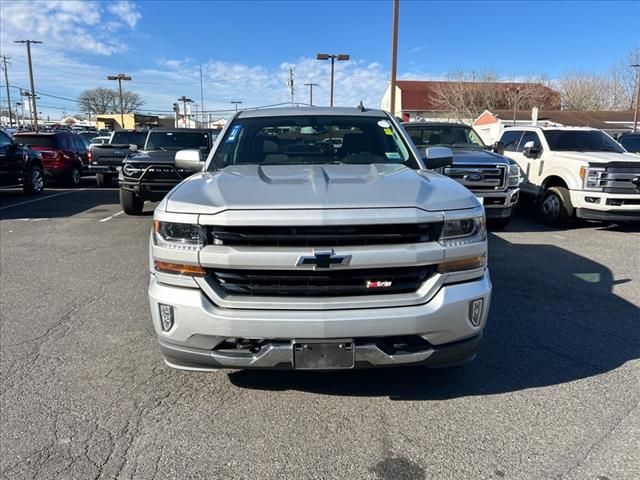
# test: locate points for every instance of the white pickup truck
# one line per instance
(575, 171)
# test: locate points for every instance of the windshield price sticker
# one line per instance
(384, 124)
(393, 155)
(388, 131)
(233, 134)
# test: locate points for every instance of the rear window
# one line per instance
(46, 141)
(631, 143)
(177, 141)
(135, 138)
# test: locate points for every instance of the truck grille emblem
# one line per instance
(474, 177)
(379, 283)
(323, 260)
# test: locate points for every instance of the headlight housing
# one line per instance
(514, 177)
(181, 236)
(593, 177)
(463, 231)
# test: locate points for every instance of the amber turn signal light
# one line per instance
(180, 269)
(457, 265)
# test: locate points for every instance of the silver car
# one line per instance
(316, 238)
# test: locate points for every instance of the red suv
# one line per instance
(64, 154)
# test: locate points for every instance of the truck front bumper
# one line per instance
(606, 206)
(443, 325)
(498, 204)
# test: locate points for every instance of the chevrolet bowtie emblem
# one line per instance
(323, 260)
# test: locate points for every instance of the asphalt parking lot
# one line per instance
(553, 394)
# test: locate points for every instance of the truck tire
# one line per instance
(103, 179)
(499, 223)
(131, 204)
(33, 180)
(555, 208)
(74, 176)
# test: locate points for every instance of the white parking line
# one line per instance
(110, 217)
(41, 198)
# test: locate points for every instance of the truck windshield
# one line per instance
(444, 136)
(177, 141)
(631, 143)
(135, 138)
(311, 139)
(581, 141)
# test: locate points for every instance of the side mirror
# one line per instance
(498, 147)
(189, 160)
(437, 157)
(530, 150)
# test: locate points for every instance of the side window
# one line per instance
(78, 144)
(416, 136)
(529, 137)
(62, 142)
(5, 141)
(510, 138)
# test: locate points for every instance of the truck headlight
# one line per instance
(463, 231)
(592, 177)
(514, 176)
(181, 236)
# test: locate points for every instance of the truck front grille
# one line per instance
(326, 236)
(295, 283)
(489, 177)
(617, 179)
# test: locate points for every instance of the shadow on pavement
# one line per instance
(554, 319)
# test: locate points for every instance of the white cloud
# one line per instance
(127, 11)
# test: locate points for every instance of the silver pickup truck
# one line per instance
(317, 239)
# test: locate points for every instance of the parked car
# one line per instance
(630, 142)
(493, 178)
(572, 171)
(149, 174)
(107, 158)
(286, 252)
(64, 154)
(19, 165)
(99, 140)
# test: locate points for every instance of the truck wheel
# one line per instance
(555, 207)
(103, 179)
(33, 181)
(73, 177)
(499, 223)
(131, 204)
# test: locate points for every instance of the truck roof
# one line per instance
(167, 129)
(540, 127)
(320, 111)
(436, 124)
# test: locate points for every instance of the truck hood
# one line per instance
(152, 156)
(596, 157)
(466, 156)
(254, 187)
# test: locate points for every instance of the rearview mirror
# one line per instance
(498, 147)
(437, 157)
(190, 160)
(530, 150)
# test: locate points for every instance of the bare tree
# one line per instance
(105, 100)
(98, 100)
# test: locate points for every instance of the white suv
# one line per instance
(575, 171)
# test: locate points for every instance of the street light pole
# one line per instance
(394, 55)
(120, 77)
(33, 90)
(333, 58)
(184, 101)
(6, 82)
(236, 103)
(515, 106)
(311, 85)
(635, 113)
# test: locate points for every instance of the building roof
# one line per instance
(606, 120)
(422, 95)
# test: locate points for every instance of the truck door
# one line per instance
(530, 159)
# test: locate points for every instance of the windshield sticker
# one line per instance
(233, 134)
(384, 124)
(393, 155)
(388, 131)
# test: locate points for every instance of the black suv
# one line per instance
(20, 165)
(151, 173)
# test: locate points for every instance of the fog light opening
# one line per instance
(475, 311)
(592, 199)
(166, 316)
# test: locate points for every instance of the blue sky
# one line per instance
(246, 48)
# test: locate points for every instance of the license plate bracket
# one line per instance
(315, 355)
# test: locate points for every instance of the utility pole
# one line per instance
(311, 85)
(6, 82)
(196, 114)
(120, 77)
(33, 90)
(290, 84)
(333, 58)
(394, 56)
(19, 104)
(236, 103)
(635, 113)
(201, 94)
(515, 106)
(184, 101)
